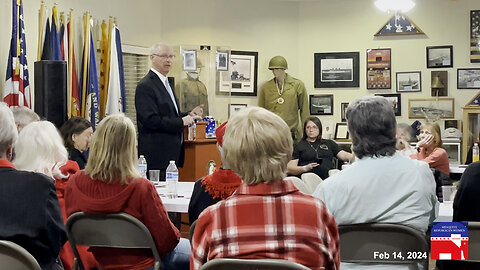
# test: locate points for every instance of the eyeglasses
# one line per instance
(165, 57)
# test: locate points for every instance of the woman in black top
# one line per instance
(314, 154)
(76, 133)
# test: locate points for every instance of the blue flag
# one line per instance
(56, 51)
(92, 109)
(120, 69)
(399, 24)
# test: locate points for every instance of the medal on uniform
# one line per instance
(280, 100)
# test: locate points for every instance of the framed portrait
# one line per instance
(431, 108)
(409, 81)
(336, 70)
(474, 36)
(190, 60)
(234, 108)
(396, 102)
(222, 61)
(341, 131)
(468, 78)
(379, 69)
(241, 77)
(440, 56)
(321, 104)
(343, 108)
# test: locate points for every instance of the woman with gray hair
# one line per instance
(404, 136)
(266, 217)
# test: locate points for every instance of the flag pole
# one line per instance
(86, 21)
(17, 68)
(69, 33)
(41, 25)
(107, 66)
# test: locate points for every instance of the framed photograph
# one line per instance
(474, 36)
(222, 61)
(190, 60)
(234, 108)
(468, 78)
(431, 108)
(341, 131)
(440, 56)
(396, 102)
(379, 69)
(343, 108)
(321, 104)
(336, 70)
(241, 77)
(409, 81)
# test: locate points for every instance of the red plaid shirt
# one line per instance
(273, 221)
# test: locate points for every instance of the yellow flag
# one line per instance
(103, 65)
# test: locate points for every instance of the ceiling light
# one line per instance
(394, 5)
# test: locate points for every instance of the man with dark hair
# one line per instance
(381, 186)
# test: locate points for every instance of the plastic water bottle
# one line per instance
(142, 166)
(475, 152)
(172, 180)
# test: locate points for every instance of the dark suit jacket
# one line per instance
(160, 127)
(30, 214)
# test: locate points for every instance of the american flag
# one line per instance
(399, 24)
(17, 88)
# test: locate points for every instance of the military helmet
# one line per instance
(278, 62)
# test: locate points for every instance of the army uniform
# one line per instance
(192, 93)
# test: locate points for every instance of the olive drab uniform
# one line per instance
(192, 92)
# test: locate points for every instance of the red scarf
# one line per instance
(221, 183)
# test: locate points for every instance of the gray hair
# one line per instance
(406, 130)
(371, 123)
(156, 47)
(24, 116)
(8, 130)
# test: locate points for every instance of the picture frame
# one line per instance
(235, 108)
(431, 107)
(396, 102)
(343, 110)
(321, 104)
(410, 81)
(379, 69)
(241, 78)
(440, 56)
(341, 131)
(439, 91)
(189, 60)
(474, 36)
(222, 61)
(468, 78)
(336, 70)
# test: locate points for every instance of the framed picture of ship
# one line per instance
(409, 81)
(336, 70)
(321, 104)
(379, 69)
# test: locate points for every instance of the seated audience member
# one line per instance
(430, 148)
(111, 183)
(382, 185)
(265, 217)
(314, 154)
(23, 116)
(404, 136)
(465, 208)
(76, 133)
(51, 159)
(29, 209)
(215, 187)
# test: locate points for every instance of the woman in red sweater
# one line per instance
(430, 148)
(111, 183)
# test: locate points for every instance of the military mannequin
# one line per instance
(191, 91)
(285, 96)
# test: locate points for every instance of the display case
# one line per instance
(471, 124)
(453, 148)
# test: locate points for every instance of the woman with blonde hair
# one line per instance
(111, 183)
(430, 149)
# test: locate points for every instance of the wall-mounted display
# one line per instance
(468, 78)
(321, 104)
(336, 70)
(440, 56)
(241, 78)
(379, 69)
(190, 60)
(439, 83)
(235, 108)
(396, 102)
(431, 108)
(474, 36)
(409, 81)
(222, 61)
(399, 24)
(341, 131)
(343, 108)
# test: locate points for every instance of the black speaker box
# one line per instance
(51, 91)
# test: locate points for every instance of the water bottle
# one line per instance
(475, 152)
(172, 180)
(142, 166)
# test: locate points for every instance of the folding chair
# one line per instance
(360, 242)
(192, 230)
(246, 264)
(473, 241)
(117, 230)
(15, 257)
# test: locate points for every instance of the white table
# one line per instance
(445, 212)
(457, 168)
(180, 204)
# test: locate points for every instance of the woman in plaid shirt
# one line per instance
(266, 217)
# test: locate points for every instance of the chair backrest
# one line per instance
(118, 230)
(192, 230)
(311, 180)
(299, 184)
(15, 257)
(246, 264)
(365, 243)
(474, 241)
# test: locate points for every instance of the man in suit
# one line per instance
(159, 119)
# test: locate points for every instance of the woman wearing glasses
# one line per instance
(314, 154)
